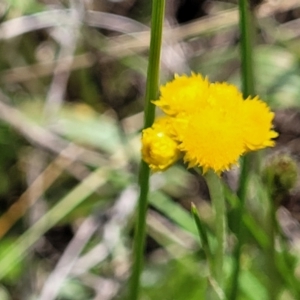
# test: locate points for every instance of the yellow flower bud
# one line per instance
(159, 149)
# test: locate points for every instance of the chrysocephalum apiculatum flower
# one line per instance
(257, 124)
(159, 148)
(182, 94)
(210, 123)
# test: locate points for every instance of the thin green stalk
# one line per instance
(216, 291)
(217, 196)
(152, 89)
(242, 191)
(271, 270)
(246, 24)
(246, 50)
(273, 277)
(202, 234)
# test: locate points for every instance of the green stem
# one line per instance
(152, 89)
(246, 47)
(272, 229)
(203, 235)
(216, 292)
(239, 227)
(217, 196)
(246, 50)
(270, 255)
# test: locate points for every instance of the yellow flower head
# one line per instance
(159, 148)
(210, 123)
(258, 133)
(183, 94)
(212, 137)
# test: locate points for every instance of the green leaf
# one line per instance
(173, 211)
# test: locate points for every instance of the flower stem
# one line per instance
(239, 227)
(271, 270)
(246, 47)
(246, 50)
(152, 88)
(202, 234)
(217, 196)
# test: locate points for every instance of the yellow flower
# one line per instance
(183, 94)
(212, 136)
(225, 96)
(210, 123)
(258, 133)
(159, 148)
